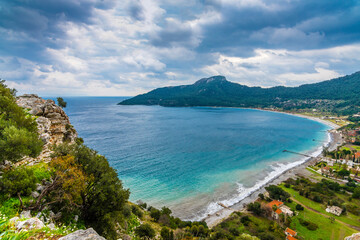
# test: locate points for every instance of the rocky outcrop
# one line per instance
(88, 234)
(53, 124)
(28, 224)
(355, 236)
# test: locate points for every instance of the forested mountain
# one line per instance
(340, 95)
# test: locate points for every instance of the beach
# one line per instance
(335, 139)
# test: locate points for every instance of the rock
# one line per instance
(35, 194)
(39, 187)
(14, 219)
(25, 214)
(32, 223)
(355, 236)
(125, 237)
(53, 124)
(88, 234)
(51, 226)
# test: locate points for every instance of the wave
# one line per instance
(243, 192)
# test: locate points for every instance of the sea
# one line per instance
(192, 158)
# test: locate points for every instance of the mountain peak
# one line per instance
(211, 79)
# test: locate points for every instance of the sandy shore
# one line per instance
(299, 170)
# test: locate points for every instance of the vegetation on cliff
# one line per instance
(18, 131)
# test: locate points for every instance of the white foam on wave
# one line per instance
(277, 170)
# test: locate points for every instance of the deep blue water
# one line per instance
(189, 158)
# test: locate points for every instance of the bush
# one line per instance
(127, 211)
(278, 193)
(104, 196)
(166, 234)
(18, 130)
(21, 181)
(255, 208)
(234, 231)
(145, 231)
(309, 225)
(137, 211)
(245, 220)
(299, 207)
(356, 193)
(155, 214)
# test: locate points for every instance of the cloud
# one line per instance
(283, 67)
(92, 47)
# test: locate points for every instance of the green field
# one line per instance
(327, 229)
(349, 218)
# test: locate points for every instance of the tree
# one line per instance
(155, 214)
(104, 197)
(356, 193)
(18, 130)
(299, 207)
(18, 181)
(166, 234)
(278, 193)
(61, 102)
(145, 231)
(255, 208)
(343, 172)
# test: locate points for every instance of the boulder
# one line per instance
(355, 236)
(35, 194)
(25, 214)
(88, 234)
(32, 223)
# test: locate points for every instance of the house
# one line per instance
(325, 170)
(334, 210)
(286, 210)
(290, 238)
(290, 234)
(280, 209)
(275, 214)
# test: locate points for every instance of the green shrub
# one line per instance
(309, 225)
(20, 180)
(145, 231)
(41, 172)
(18, 130)
(299, 207)
(155, 214)
(166, 234)
(137, 211)
(127, 211)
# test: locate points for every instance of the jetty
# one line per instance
(302, 154)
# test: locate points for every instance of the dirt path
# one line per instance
(313, 210)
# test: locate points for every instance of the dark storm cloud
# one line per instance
(301, 24)
(36, 24)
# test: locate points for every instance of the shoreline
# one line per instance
(297, 170)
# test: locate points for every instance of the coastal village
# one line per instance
(320, 202)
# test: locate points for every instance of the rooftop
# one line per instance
(290, 231)
(275, 202)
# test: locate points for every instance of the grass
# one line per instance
(326, 230)
(349, 218)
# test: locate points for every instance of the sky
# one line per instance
(128, 47)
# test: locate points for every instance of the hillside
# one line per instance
(340, 95)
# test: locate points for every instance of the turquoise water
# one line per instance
(191, 158)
